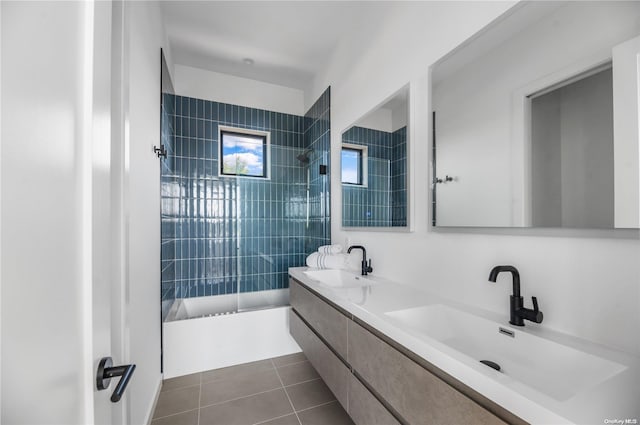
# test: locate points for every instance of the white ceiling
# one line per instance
(289, 41)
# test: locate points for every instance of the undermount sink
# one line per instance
(552, 368)
(338, 278)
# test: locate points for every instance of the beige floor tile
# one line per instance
(176, 401)
(181, 382)
(186, 418)
(247, 410)
(289, 359)
(309, 394)
(329, 414)
(249, 394)
(297, 372)
(246, 369)
(285, 420)
(221, 390)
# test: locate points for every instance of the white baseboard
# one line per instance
(155, 401)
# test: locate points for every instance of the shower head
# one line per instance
(304, 156)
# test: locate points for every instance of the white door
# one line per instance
(59, 263)
(626, 136)
(106, 210)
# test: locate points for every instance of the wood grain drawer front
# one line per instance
(334, 373)
(415, 393)
(364, 408)
(324, 319)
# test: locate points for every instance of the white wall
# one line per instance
(587, 286)
(626, 133)
(1, 258)
(145, 37)
(209, 85)
(400, 118)
(380, 119)
(389, 117)
(546, 161)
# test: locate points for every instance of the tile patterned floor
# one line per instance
(280, 391)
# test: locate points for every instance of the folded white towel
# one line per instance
(330, 249)
(328, 261)
(312, 260)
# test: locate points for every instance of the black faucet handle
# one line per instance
(537, 314)
(368, 266)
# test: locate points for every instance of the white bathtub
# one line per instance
(206, 333)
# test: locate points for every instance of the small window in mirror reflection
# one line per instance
(354, 169)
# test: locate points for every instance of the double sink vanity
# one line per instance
(392, 354)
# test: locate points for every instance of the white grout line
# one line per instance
(260, 392)
(183, 411)
(319, 405)
(201, 382)
(303, 382)
(175, 414)
(289, 364)
(231, 377)
(273, 419)
(240, 398)
(199, 400)
(287, 394)
(178, 388)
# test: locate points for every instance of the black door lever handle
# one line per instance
(106, 371)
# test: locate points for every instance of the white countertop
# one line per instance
(614, 401)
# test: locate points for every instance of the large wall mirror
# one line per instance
(536, 120)
(374, 166)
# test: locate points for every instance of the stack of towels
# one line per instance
(332, 257)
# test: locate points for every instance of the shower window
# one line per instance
(244, 153)
(354, 164)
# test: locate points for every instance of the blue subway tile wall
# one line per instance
(399, 177)
(375, 204)
(167, 249)
(317, 138)
(369, 205)
(225, 234)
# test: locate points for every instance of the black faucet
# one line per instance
(366, 267)
(518, 313)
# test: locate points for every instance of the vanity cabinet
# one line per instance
(376, 382)
(365, 408)
(415, 393)
(328, 322)
(332, 370)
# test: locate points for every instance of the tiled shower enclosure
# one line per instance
(382, 202)
(223, 235)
